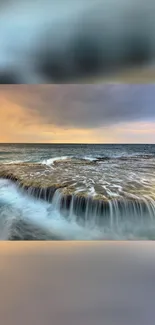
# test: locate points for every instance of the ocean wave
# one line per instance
(122, 156)
(51, 161)
(126, 156)
(94, 159)
(89, 158)
(14, 162)
(136, 156)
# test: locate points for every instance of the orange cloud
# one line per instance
(19, 123)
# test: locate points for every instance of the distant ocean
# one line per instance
(120, 179)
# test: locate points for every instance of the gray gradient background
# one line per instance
(80, 283)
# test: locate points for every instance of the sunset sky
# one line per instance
(77, 113)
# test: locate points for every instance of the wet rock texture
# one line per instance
(40, 182)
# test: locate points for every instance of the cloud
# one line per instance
(68, 113)
(44, 41)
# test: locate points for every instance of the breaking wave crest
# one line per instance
(94, 159)
(51, 161)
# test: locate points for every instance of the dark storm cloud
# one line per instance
(86, 106)
(60, 41)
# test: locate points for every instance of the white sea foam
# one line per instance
(51, 161)
(90, 158)
(13, 162)
(39, 213)
(16, 204)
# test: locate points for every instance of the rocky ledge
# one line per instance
(39, 182)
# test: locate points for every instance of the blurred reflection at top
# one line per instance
(64, 41)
